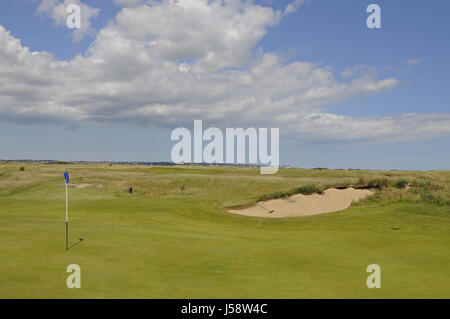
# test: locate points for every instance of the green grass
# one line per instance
(173, 239)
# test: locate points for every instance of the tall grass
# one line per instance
(305, 190)
(226, 186)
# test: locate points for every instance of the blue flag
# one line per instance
(66, 176)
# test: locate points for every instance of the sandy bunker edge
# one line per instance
(331, 200)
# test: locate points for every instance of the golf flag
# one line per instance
(66, 176)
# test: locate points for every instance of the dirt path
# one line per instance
(331, 200)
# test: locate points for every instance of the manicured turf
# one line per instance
(173, 239)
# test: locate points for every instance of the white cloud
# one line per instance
(183, 67)
(218, 34)
(57, 10)
(293, 6)
(399, 128)
(127, 3)
(359, 71)
(414, 61)
(195, 60)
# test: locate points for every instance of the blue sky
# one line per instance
(411, 48)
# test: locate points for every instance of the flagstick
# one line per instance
(67, 218)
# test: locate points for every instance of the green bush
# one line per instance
(362, 181)
(427, 185)
(22, 168)
(433, 198)
(378, 183)
(274, 195)
(308, 190)
(305, 190)
(401, 183)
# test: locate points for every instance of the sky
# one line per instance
(342, 95)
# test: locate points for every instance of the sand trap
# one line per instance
(331, 200)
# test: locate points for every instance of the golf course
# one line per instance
(174, 236)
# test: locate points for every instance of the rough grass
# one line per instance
(172, 238)
(305, 190)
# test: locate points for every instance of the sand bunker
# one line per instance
(331, 200)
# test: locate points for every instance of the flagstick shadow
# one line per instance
(78, 242)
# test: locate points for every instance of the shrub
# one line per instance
(427, 185)
(308, 190)
(378, 183)
(362, 181)
(22, 168)
(274, 195)
(434, 198)
(305, 190)
(401, 183)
